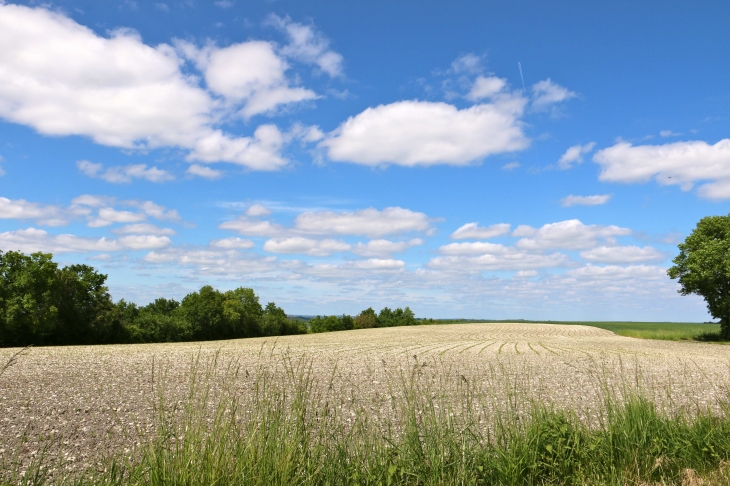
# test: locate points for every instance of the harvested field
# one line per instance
(85, 403)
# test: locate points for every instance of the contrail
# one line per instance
(519, 65)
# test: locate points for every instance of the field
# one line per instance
(80, 406)
(671, 331)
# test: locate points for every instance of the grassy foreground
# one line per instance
(290, 429)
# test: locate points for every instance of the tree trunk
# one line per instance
(725, 328)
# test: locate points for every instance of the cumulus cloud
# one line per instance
(412, 133)
(257, 210)
(143, 229)
(596, 200)
(505, 259)
(33, 239)
(305, 246)
(367, 222)
(623, 254)
(61, 78)
(198, 170)
(381, 248)
(474, 231)
(679, 163)
(250, 73)
(123, 174)
(248, 227)
(574, 155)
(232, 243)
(569, 235)
(260, 152)
(615, 273)
(107, 215)
(545, 94)
(486, 87)
(309, 46)
(475, 248)
(43, 214)
(225, 263)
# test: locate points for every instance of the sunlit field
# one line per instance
(442, 404)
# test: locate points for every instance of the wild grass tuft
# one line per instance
(283, 426)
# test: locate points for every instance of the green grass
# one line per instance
(288, 431)
(670, 331)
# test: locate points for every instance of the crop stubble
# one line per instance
(94, 401)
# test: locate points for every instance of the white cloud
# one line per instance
(260, 152)
(305, 246)
(232, 243)
(623, 254)
(668, 133)
(32, 240)
(380, 264)
(616, 273)
(569, 235)
(307, 45)
(62, 79)
(506, 259)
(143, 229)
(204, 172)
(108, 216)
(486, 87)
(46, 215)
(368, 222)
(226, 263)
(510, 166)
(412, 133)
(381, 248)
(248, 227)
(258, 210)
(596, 200)
(474, 231)
(92, 201)
(545, 94)
(467, 64)
(123, 174)
(475, 248)
(574, 155)
(679, 163)
(250, 73)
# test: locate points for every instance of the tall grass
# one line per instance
(283, 425)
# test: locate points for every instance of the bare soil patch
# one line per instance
(87, 403)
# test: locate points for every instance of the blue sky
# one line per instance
(468, 159)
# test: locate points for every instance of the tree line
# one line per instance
(44, 304)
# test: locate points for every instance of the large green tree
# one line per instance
(41, 303)
(703, 267)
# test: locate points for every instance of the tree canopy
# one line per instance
(703, 267)
(43, 304)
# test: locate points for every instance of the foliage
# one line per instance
(41, 303)
(366, 319)
(703, 267)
